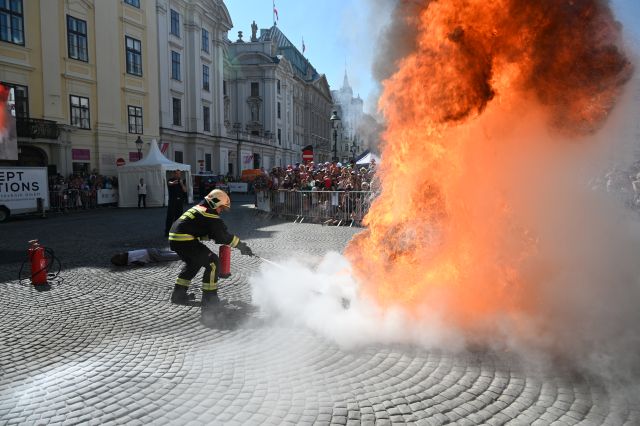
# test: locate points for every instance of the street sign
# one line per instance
(120, 162)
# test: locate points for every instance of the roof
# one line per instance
(287, 49)
(155, 158)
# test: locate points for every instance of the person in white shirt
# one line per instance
(142, 193)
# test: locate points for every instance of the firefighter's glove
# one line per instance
(245, 250)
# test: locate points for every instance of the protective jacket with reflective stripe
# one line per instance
(201, 224)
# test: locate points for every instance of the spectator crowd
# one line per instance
(319, 177)
(331, 193)
(79, 190)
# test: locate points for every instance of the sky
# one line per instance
(335, 32)
(343, 33)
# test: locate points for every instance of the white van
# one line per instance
(20, 188)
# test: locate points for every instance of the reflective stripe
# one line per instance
(211, 215)
(205, 214)
(212, 284)
(180, 237)
(187, 215)
(183, 282)
(234, 241)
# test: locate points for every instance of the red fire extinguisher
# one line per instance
(39, 263)
(225, 262)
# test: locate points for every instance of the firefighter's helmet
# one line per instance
(218, 198)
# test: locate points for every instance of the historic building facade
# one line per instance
(275, 102)
(89, 78)
(351, 112)
(191, 39)
(84, 80)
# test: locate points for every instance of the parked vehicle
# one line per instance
(23, 190)
(205, 183)
(249, 175)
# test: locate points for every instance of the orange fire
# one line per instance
(445, 232)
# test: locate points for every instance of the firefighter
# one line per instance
(177, 196)
(202, 222)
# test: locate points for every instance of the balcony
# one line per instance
(36, 128)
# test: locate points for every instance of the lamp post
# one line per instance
(237, 127)
(139, 144)
(335, 122)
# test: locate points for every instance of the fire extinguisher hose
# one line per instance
(52, 277)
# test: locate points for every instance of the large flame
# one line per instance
(443, 232)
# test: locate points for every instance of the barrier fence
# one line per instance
(78, 199)
(331, 207)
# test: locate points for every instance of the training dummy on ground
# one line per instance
(144, 256)
(202, 222)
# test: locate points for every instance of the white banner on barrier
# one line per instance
(263, 201)
(107, 196)
(238, 186)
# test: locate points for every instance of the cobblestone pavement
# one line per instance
(106, 346)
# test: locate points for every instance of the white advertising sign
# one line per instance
(107, 196)
(263, 201)
(20, 187)
(238, 187)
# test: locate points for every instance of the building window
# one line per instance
(134, 3)
(135, 120)
(11, 21)
(177, 112)
(279, 114)
(206, 117)
(175, 23)
(77, 39)
(207, 162)
(134, 56)
(18, 100)
(278, 85)
(205, 40)
(255, 89)
(279, 137)
(205, 77)
(175, 65)
(177, 156)
(79, 111)
(224, 87)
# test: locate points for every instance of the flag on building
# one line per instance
(275, 13)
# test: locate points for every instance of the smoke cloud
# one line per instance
(488, 231)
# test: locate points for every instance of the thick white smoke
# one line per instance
(325, 298)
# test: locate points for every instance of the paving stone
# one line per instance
(106, 346)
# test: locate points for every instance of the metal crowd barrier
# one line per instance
(72, 199)
(330, 207)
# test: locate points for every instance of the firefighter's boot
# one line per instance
(211, 305)
(180, 296)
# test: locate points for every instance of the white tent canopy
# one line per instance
(154, 168)
(366, 158)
